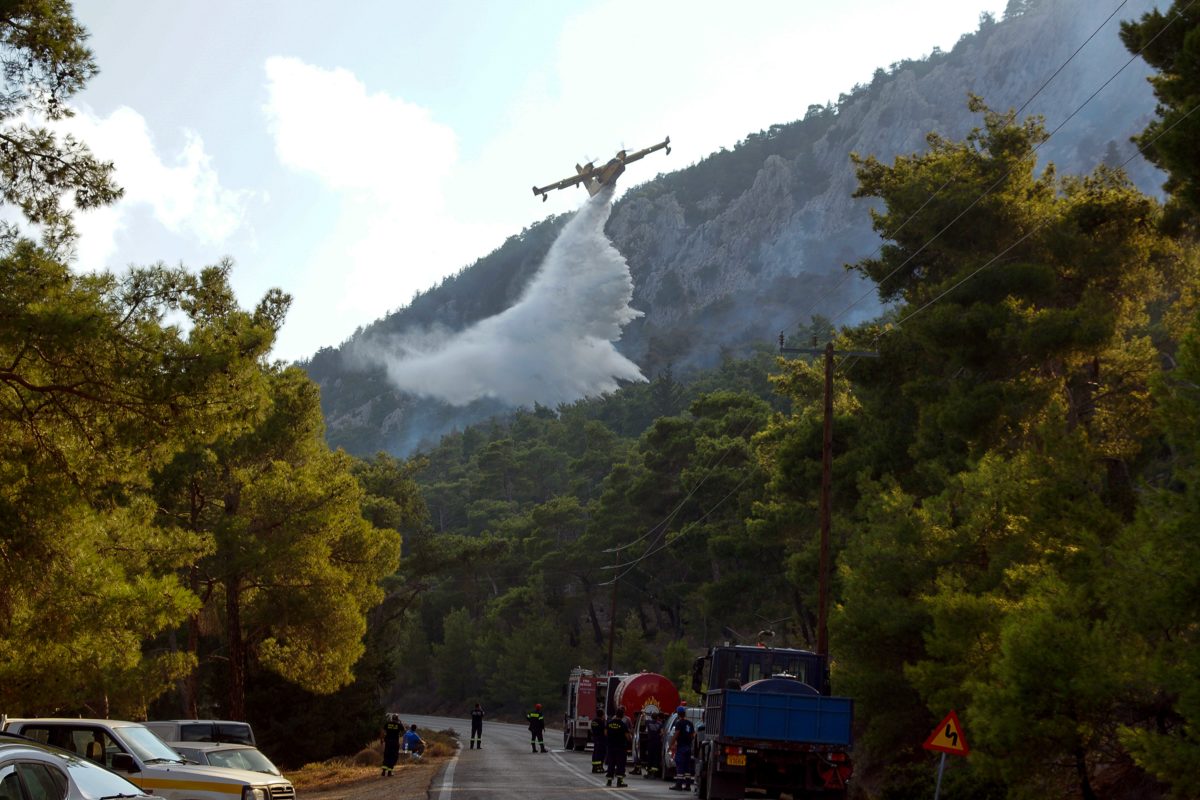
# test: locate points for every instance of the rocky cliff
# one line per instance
(753, 240)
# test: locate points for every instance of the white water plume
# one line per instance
(555, 345)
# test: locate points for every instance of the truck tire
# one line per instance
(721, 787)
(581, 744)
(701, 764)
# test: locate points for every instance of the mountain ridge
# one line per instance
(748, 242)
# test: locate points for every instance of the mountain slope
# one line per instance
(749, 242)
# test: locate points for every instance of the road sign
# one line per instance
(948, 737)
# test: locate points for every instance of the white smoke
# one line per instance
(555, 345)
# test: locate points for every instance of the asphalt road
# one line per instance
(505, 769)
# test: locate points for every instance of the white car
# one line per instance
(30, 770)
(131, 749)
(219, 754)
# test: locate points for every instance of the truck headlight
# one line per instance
(255, 793)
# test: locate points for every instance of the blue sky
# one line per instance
(352, 154)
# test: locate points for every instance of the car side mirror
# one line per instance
(123, 762)
(697, 674)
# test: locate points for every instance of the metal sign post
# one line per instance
(947, 737)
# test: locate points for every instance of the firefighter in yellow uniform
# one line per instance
(537, 725)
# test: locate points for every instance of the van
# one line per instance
(202, 730)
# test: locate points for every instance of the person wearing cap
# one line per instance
(617, 733)
(537, 725)
(683, 733)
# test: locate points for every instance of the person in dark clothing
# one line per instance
(617, 731)
(393, 728)
(683, 733)
(598, 740)
(651, 745)
(477, 727)
(537, 725)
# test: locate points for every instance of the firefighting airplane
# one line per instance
(594, 177)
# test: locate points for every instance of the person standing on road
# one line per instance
(537, 726)
(476, 727)
(617, 729)
(598, 740)
(683, 732)
(651, 741)
(392, 730)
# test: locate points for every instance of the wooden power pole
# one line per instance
(826, 508)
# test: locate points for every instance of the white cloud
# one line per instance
(184, 194)
(326, 123)
(389, 162)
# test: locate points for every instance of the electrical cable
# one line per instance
(1010, 171)
(654, 549)
(847, 273)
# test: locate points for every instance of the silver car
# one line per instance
(30, 770)
(696, 715)
(219, 754)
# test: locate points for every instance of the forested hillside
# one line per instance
(727, 252)
(1014, 479)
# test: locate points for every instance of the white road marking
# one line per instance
(447, 786)
(588, 777)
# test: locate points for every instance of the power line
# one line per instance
(847, 273)
(1010, 171)
(1037, 228)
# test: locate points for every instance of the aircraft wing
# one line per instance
(563, 184)
(663, 145)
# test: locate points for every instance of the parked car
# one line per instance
(132, 750)
(696, 715)
(220, 754)
(30, 770)
(201, 730)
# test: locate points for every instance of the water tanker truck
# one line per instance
(640, 694)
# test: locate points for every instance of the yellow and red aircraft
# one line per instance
(594, 177)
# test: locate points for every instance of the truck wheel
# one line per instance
(702, 779)
(581, 744)
(568, 741)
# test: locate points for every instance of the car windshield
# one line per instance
(94, 781)
(148, 747)
(242, 758)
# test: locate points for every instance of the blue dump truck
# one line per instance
(771, 728)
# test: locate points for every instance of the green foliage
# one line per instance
(45, 63)
(1170, 42)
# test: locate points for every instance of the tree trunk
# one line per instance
(237, 650)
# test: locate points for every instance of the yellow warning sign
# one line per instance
(948, 737)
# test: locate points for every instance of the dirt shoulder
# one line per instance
(409, 781)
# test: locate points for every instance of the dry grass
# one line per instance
(340, 772)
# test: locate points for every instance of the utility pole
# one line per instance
(612, 611)
(826, 508)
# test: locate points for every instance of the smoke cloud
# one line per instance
(555, 345)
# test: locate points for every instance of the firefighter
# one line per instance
(537, 724)
(598, 737)
(477, 727)
(617, 730)
(683, 732)
(651, 741)
(392, 730)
